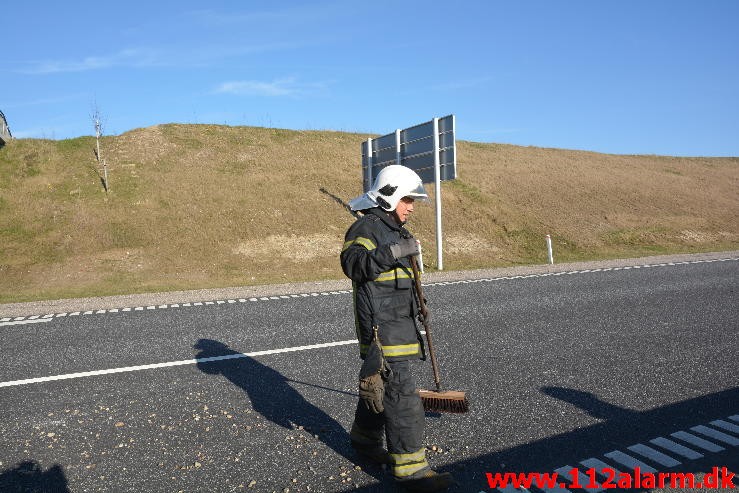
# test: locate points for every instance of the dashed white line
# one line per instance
(329, 293)
(654, 455)
(511, 489)
(629, 461)
(676, 448)
(716, 435)
(566, 472)
(719, 423)
(23, 322)
(697, 441)
(599, 467)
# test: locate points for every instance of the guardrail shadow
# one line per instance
(29, 476)
(272, 397)
(621, 428)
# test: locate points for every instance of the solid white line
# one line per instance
(22, 322)
(69, 376)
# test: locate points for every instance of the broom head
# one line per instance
(447, 401)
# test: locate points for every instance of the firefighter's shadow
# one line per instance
(273, 397)
(30, 476)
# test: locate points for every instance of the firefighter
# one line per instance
(375, 257)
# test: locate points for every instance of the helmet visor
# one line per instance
(418, 193)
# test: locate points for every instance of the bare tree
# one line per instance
(96, 120)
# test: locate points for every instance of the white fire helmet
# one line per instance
(391, 184)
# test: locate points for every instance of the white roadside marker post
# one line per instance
(549, 249)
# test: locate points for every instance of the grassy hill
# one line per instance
(202, 206)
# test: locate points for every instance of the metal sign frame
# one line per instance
(5, 135)
(428, 148)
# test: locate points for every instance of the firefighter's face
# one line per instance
(403, 210)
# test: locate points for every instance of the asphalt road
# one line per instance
(562, 370)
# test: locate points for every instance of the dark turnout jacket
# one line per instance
(383, 286)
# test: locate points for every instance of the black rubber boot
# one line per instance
(428, 482)
(376, 455)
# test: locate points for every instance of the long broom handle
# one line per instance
(426, 325)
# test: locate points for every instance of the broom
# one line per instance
(447, 401)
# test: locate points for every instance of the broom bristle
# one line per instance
(448, 401)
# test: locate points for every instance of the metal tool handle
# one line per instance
(424, 312)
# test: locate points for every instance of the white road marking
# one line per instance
(599, 466)
(629, 461)
(654, 455)
(716, 435)
(719, 423)
(512, 489)
(69, 376)
(329, 293)
(22, 322)
(697, 441)
(676, 448)
(583, 480)
(557, 489)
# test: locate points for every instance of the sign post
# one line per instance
(429, 149)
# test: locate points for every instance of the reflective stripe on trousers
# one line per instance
(402, 421)
(405, 465)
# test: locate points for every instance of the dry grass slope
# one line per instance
(196, 206)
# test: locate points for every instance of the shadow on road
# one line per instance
(620, 428)
(29, 476)
(272, 397)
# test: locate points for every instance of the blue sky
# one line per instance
(624, 77)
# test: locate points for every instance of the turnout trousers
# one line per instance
(402, 424)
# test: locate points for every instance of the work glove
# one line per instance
(372, 391)
(404, 248)
(372, 378)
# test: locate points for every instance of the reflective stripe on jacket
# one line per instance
(382, 285)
